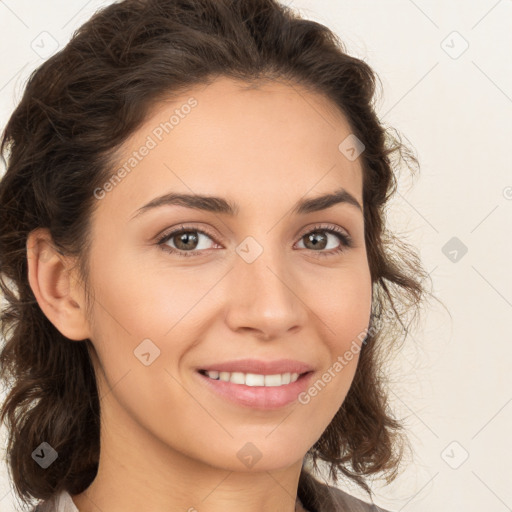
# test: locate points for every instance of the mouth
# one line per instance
(256, 391)
(254, 379)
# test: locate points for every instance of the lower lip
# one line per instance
(259, 397)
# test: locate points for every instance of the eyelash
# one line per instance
(346, 240)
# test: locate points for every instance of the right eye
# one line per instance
(187, 241)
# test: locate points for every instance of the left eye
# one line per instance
(318, 239)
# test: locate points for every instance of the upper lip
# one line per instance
(260, 366)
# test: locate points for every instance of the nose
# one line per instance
(264, 298)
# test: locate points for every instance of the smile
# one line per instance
(255, 390)
(252, 379)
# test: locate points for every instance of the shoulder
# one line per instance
(347, 503)
(318, 496)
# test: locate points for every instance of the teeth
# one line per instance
(237, 378)
(253, 379)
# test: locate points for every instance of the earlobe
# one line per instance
(49, 276)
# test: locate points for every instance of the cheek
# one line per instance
(344, 310)
(151, 316)
(140, 299)
(343, 301)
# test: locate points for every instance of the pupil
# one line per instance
(312, 238)
(186, 237)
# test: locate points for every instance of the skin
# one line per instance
(168, 442)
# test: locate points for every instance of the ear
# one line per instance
(57, 293)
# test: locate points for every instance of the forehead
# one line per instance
(233, 137)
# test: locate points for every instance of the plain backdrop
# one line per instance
(446, 72)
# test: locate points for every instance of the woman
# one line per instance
(198, 277)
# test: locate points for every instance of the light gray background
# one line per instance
(455, 107)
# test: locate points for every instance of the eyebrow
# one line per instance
(220, 205)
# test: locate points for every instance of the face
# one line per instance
(186, 286)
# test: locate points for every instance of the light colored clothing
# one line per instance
(61, 502)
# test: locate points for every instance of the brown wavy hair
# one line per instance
(77, 109)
